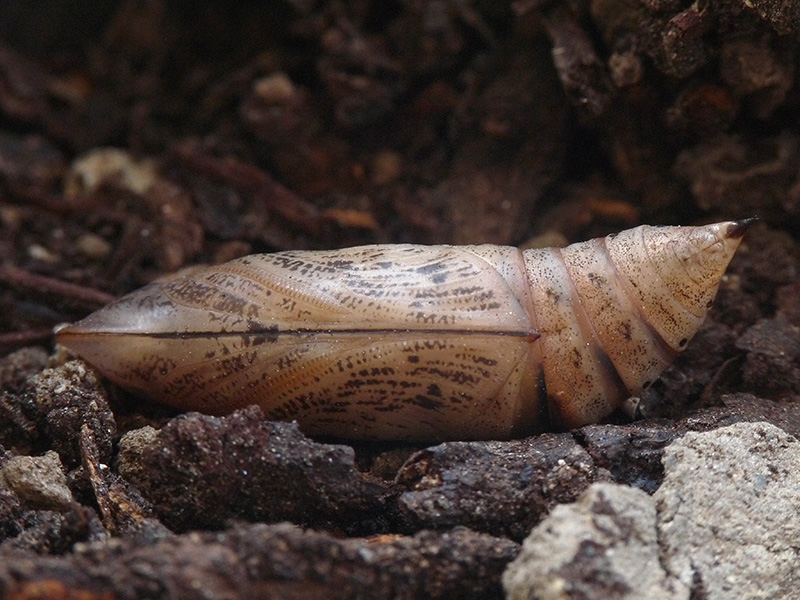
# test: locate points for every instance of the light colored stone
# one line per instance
(276, 88)
(603, 546)
(93, 246)
(729, 512)
(101, 166)
(39, 480)
(130, 449)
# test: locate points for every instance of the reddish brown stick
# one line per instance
(41, 283)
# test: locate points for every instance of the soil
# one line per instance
(140, 138)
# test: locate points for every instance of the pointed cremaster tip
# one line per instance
(738, 228)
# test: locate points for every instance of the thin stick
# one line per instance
(41, 283)
(16, 339)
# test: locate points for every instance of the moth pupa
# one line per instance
(410, 342)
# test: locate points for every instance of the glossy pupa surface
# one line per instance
(409, 342)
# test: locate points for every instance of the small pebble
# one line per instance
(93, 246)
(97, 167)
(39, 252)
(274, 89)
(39, 480)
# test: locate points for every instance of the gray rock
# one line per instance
(38, 479)
(603, 546)
(729, 512)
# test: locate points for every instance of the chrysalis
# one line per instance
(408, 342)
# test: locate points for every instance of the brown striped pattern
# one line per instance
(417, 342)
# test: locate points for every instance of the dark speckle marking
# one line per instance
(596, 279)
(683, 342)
(489, 362)
(578, 359)
(434, 390)
(427, 403)
(431, 268)
(547, 410)
(341, 264)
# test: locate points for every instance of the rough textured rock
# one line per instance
(71, 396)
(271, 562)
(11, 514)
(131, 447)
(51, 408)
(603, 546)
(630, 453)
(18, 366)
(773, 356)
(722, 525)
(500, 487)
(39, 480)
(746, 407)
(190, 466)
(19, 428)
(728, 512)
(47, 533)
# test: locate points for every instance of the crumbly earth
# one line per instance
(140, 138)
